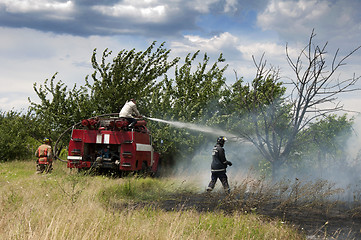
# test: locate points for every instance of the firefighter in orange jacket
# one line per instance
(45, 157)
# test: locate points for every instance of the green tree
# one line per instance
(325, 141)
(131, 74)
(59, 109)
(257, 113)
(192, 96)
(15, 141)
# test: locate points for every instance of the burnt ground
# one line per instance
(323, 220)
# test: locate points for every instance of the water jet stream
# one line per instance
(198, 128)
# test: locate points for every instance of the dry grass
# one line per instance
(65, 205)
(306, 195)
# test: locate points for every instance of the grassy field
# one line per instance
(68, 205)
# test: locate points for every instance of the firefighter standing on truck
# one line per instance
(130, 112)
(45, 157)
(219, 165)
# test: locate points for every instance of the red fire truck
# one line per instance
(106, 143)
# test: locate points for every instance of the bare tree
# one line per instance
(277, 120)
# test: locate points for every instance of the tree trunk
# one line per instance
(276, 169)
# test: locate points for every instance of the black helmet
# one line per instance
(221, 140)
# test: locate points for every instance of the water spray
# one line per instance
(199, 128)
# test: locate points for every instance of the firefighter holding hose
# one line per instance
(44, 156)
(219, 165)
(130, 112)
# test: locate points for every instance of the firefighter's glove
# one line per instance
(229, 163)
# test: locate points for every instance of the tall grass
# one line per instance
(65, 205)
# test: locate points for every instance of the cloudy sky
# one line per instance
(42, 37)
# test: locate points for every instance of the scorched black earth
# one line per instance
(328, 221)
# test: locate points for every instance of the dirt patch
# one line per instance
(339, 222)
(320, 222)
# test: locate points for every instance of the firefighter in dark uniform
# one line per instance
(44, 156)
(219, 165)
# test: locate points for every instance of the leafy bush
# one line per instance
(15, 142)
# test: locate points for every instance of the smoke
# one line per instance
(341, 168)
(343, 171)
(353, 161)
(197, 169)
(354, 144)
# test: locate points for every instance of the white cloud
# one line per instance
(230, 6)
(202, 6)
(293, 19)
(257, 49)
(238, 51)
(281, 15)
(156, 13)
(215, 44)
(335, 22)
(225, 6)
(30, 56)
(25, 6)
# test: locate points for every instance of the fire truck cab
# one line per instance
(108, 144)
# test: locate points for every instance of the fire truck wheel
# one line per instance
(145, 169)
